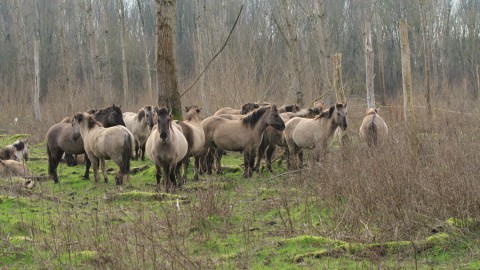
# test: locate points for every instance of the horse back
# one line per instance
(59, 137)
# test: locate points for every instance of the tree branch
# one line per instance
(215, 56)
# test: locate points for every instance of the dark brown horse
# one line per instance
(242, 135)
(59, 140)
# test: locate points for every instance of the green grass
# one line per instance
(222, 221)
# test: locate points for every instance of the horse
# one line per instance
(10, 168)
(242, 135)
(193, 132)
(303, 133)
(140, 124)
(272, 138)
(289, 108)
(109, 116)
(373, 128)
(59, 140)
(166, 147)
(116, 143)
(15, 151)
(246, 108)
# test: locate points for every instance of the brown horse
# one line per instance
(303, 133)
(140, 124)
(116, 143)
(59, 140)
(289, 108)
(193, 131)
(246, 108)
(373, 128)
(273, 138)
(15, 151)
(166, 147)
(10, 168)
(242, 135)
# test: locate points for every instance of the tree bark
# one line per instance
(36, 62)
(296, 85)
(168, 94)
(123, 42)
(94, 56)
(68, 76)
(426, 53)
(406, 75)
(145, 50)
(369, 65)
(107, 74)
(200, 61)
(337, 78)
(381, 61)
(325, 53)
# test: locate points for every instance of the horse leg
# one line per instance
(218, 160)
(53, 160)
(87, 167)
(166, 181)
(196, 168)
(158, 175)
(104, 170)
(251, 163)
(143, 151)
(173, 181)
(300, 159)
(136, 150)
(181, 178)
(269, 155)
(94, 161)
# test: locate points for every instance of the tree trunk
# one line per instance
(325, 53)
(426, 53)
(369, 65)
(123, 42)
(68, 76)
(107, 74)
(337, 78)
(145, 50)
(36, 62)
(168, 94)
(406, 75)
(200, 61)
(296, 86)
(95, 58)
(381, 62)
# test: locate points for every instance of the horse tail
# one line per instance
(372, 132)
(126, 154)
(51, 165)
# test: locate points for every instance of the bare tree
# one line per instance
(168, 94)
(426, 53)
(94, 55)
(369, 65)
(123, 42)
(107, 72)
(145, 49)
(406, 75)
(36, 61)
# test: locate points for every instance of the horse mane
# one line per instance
(371, 111)
(107, 109)
(252, 118)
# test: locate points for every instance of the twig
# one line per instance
(287, 173)
(215, 56)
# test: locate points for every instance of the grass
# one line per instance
(401, 208)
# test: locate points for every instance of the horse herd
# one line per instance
(255, 129)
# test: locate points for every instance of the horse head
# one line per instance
(274, 120)
(147, 113)
(248, 107)
(21, 149)
(80, 119)
(192, 112)
(338, 113)
(164, 122)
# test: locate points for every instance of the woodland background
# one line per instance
(90, 54)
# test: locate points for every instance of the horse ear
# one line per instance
(187, 108)
(199, 110)
(330, 111)
(141, 114)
